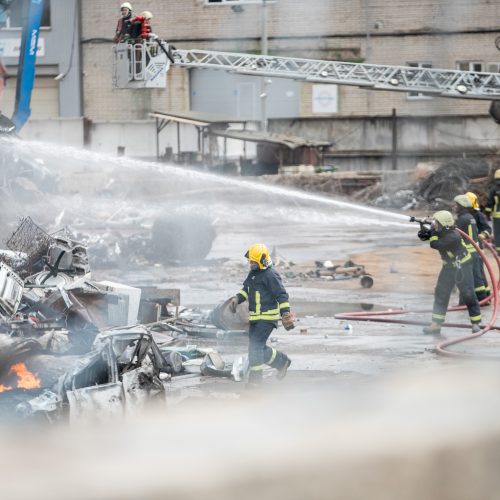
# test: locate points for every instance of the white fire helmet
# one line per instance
(444, 218)
(126, 5)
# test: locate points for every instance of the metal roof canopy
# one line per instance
(195, 118)
(198, 120)
(290, 142)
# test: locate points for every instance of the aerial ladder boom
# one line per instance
(438, 82)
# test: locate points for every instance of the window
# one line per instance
(237, 2)
(493, 67)
(418, 95)
(470, 66)
(15, 17)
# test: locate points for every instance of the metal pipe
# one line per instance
(263, 80)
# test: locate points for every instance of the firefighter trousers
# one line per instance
(463, 278)
(496, 233)
(260, 354)
(481, 287)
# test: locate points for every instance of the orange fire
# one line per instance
(25, 379)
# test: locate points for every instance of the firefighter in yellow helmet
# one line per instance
(456, 270)
(483, 228)
(483, 233)
(267, 302)
(492, 208)
(466, 222)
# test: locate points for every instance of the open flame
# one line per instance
(24, 378)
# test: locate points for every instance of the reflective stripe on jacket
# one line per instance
(266, 295)
(493, 202)
(466, 222)
(450, 245)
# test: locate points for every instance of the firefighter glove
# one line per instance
(424, 234)
(288, 320)
(233, 304)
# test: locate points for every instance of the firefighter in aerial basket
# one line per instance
(456, 270)
(122, 32)
(267, 302)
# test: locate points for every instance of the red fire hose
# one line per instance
(441, 347)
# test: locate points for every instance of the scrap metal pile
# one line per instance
(434, 186)
(325, 270)
(73, 345)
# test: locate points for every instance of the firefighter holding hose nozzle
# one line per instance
(456, 269)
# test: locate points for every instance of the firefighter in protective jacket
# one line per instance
(492, 209)
(267, 301)
(456, 270)
(122, 32)
(140, 29)
(466, 222)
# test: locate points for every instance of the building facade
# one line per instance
(75, 60)
(57, 92)
(448, 34)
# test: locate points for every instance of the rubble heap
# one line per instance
(88, 345)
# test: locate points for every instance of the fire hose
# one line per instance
(441, 348)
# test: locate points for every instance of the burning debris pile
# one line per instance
(85, 345)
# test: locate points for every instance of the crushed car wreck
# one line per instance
(120, 375)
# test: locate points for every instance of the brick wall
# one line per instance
(329, 29)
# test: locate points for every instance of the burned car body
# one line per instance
(121, 375)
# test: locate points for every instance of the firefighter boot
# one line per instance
(476, 328)
(282, 371)
(254, 380)
(432, 329)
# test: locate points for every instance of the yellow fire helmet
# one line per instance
(473, 199)
(147, 15)
(259, 254)
(463, 200)
(497, 174)
(444, 218)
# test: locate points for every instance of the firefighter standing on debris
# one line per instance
(267, 301)
(466, 222)
(492, 208)
(456, 270)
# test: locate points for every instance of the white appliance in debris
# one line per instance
(125, 310)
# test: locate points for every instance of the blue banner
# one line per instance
(27, 60)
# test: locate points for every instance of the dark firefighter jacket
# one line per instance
(450, 245)
(482, 224)
(493, 202)
(122, 28)
(466, 222)
(266, 295)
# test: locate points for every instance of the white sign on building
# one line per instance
(325, 98)
(11, 47)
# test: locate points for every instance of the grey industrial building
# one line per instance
(57, 91)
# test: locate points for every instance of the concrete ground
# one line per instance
(371, 414)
